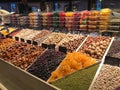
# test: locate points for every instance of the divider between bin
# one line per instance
(82, 43)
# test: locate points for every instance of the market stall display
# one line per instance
(76, 19)
(114, 23)
(108, 78)
(71, 42)
(95, 46)
(23, 21)
(35, 19)
(55, 19)
(83, 20)
(93, 21)
(45, 19)
(104, 18)
(71, 63)
(14, 19)
(69, 20)
(50, 20)
(46, 63)
(62, 19)
(31, 17)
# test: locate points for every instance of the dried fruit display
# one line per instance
(95, 46)
(49, 19)
(45, 18)
(20, 54)
(6, 32)
(54, 38)
(84, 20)
(61, 19)
(55, 19)
(76, 20)
(72, 62)
(31, 16)
(41, 34)
(13, 52)
(23, 21)
(108, 78)
(115, 48)
(104, 18)
(5, 44)
(71, 42)
(93, 19)
(46, 63)
(27, 57)
(69, 20)
(35, 19)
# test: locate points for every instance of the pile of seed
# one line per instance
(108, 78)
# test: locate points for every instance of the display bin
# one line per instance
(14, 78)
(101, 64)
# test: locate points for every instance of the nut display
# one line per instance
(27, 57)
(72, 62)
(41, 34)
(108, 78)
(24, 32)
(13, 52)
(115, 48)
(5, 44)
(54, 38)
(31, 35)
(21, 54)
(71, 42)
(95, 46)
(46, 63)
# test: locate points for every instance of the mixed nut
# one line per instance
(108, 78)
(71, 42)
(54, 38)
(95, 46)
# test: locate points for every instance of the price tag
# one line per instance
(62, 49)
